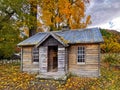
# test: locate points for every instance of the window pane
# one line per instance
(35, 55)
(81, 54)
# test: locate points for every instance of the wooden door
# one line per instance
(52, 58)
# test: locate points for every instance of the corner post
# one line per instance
(21, 61)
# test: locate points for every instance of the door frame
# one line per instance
(54, 60)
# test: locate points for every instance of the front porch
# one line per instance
(52, 63)
(52, 60)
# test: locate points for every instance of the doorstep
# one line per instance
(52, 76)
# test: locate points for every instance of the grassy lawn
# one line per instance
(12, 79)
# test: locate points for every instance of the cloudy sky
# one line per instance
(105, 13)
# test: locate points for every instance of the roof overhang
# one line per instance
(55, 37)
(26, 45)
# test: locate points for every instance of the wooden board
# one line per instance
(91, 58)
(27, 62)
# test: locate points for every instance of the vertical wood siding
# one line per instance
(43, 56)
(61, 59)
(51, 42)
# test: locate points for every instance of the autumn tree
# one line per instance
(15, 15)
(58, 13)
(32, 19)
(111, 42)
(9, 32)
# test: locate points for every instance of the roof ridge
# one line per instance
(75, 29)
(69, 30)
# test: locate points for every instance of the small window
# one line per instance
(81, 55)
(35, 55)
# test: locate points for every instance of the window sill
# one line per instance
(35, 62)
(81, 63)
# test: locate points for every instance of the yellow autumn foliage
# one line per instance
(12, 79)
(57, 13)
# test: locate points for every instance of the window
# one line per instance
(35, 55)
(81, 55)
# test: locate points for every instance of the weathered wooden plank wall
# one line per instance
(61, 60)
(91, 67)
(51, 42)
(43, 57)
(27, 62)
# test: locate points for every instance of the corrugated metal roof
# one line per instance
(91, 35)
(35, 39)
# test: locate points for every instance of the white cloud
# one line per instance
(105, 13)
(113, 24)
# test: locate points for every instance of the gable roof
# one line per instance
(56, 37)
(65, 37)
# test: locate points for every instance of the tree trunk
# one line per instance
(33, 12)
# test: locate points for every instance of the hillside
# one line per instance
(111, 41)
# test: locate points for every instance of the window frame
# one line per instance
(82, 55)
(35, 53)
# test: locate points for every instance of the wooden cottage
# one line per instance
(54, 54)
